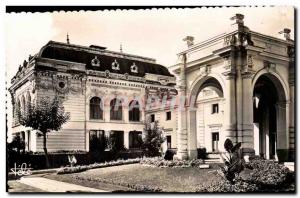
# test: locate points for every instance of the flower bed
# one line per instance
(76, 169)
(135, 187)
(160, 162)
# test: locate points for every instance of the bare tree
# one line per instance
(45, 116)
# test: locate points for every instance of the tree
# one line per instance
(152, 139)
(44, 116)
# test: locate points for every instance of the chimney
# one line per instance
(189, 41)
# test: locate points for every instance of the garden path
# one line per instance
(50, 185)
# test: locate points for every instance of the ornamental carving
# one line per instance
(134, 68)
(115, 65)
(75, 87)
(107, 73)
(269, 66)
(205, 70)
(250, 61)
(95, 62)
(45, 83)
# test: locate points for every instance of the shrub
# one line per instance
(76, 169)
(160, 162)
(269, 175)
(169, 155)
(263, 176)
(227, 186)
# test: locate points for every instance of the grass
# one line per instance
(117, 178)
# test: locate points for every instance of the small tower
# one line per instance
(121, 50)
(68, 40)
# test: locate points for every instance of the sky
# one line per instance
(155, 33)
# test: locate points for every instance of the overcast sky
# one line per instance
(153, 33)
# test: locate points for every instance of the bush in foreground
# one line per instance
(263, 176)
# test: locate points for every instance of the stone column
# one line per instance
(125, 113)
(282, 111)
(182, 138)
(292, 104)
(230, 109)
(126, 139)
(247, 116)
(192, 135)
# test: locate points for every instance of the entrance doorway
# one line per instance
(267, 117)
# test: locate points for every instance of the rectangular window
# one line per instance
(168, 115)
(215, 141)
(97, 140)
(215, 108)
(169, 144)
(135, 139)
(152, 118)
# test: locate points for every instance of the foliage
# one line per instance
(17, 144)
(76, 169)
(160, 162)
(45, 116)
(152, 139)
(227, 186)
(261, 176)
(169, 154)
(233, 162)
(269, 175)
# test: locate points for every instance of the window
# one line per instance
(134, 111)
(168, 115)
(135, 139)
(97, 140)
(215, 141)
(116, 109)
(96, 111)
(117, 140)
(152, 118)
(215, 108)
(169, 145)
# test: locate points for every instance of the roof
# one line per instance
(85, 55)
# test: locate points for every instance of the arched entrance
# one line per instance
(205, 106)
(269, 116)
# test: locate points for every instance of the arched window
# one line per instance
(96, 110)
(134, 111)
(116, 109)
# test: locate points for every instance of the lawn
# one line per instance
(117, 178)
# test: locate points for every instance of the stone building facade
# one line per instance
(252, 75)
(91, 81)
(237, 85)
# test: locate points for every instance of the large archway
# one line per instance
(269, 116)
(206, 101)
